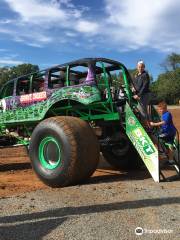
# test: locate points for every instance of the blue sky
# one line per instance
(50, 32)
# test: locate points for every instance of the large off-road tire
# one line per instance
(122, 155)
(63, 151)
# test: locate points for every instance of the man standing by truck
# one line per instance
(142, 93)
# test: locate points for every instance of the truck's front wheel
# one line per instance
(63, 151)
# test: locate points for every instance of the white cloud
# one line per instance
(5, 21)
(85, 26)
(3, 50)
(10, 62)
(36, 11)
(6, 30)
(41, 22)
(139, 23)
(59, 13)
(9, 58)
(70, 34)
(123, 26)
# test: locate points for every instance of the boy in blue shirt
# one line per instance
(167, 128)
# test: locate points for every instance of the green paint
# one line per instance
(84, 95)
(127, 85)
(142, 143)
(49, 160)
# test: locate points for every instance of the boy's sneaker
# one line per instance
(167, 163)
(163, 163)
(171, 162)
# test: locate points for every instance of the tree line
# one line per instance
(166, 87)
(8, 73)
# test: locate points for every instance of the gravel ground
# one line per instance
(108, 209)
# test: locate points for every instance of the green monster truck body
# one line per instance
(66, 114)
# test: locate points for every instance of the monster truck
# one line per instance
(65, 115)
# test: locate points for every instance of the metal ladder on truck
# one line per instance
(150, 147)
(174, 165)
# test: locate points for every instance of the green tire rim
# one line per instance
(49, 153)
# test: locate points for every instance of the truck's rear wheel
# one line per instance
(63, 151)
(122, 155)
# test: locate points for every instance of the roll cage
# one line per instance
(74, 73)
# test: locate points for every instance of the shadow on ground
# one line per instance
(37, 225)
(103, 174)
(14, 166)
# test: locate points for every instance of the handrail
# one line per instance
(177, 146)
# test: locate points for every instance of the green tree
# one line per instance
(7, 73)
(167, 86)
(172, 62)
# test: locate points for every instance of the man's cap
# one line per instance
(140, 62)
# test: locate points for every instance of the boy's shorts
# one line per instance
(167, 138)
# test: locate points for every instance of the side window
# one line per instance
(23, 86)
(8, 89)
(38, 82)
(74, 78)
(108, 79)
(57, 78)
(101, 78)
(116, 78)
(85, 73)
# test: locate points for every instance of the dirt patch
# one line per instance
(16, 175)
(176, 117)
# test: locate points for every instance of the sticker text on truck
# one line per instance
(33, 97)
